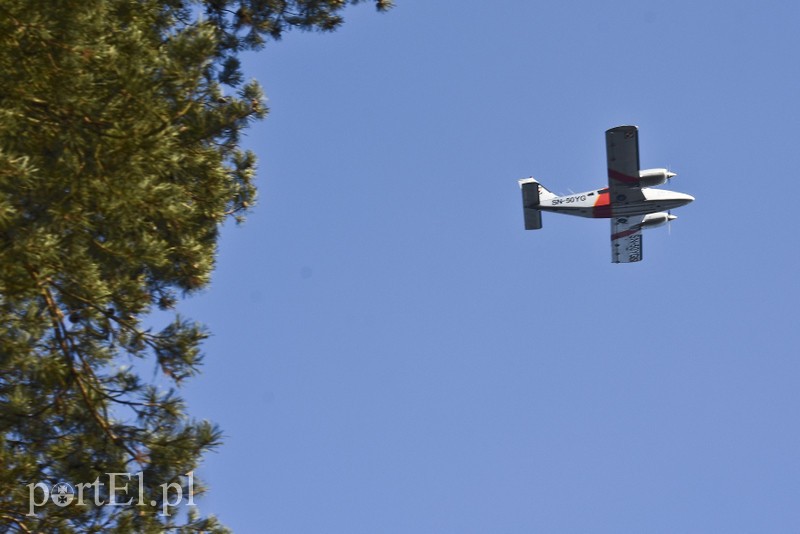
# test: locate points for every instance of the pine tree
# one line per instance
(119, 160)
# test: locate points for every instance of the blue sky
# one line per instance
(393, 353)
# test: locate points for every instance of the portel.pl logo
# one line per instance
(122, 490)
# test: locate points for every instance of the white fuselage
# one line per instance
(597, 204)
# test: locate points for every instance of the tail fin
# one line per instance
(544, 193)
(532, 193)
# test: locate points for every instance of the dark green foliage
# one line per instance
(119, 160)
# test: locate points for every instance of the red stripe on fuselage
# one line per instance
(602, 208)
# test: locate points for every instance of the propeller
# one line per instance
(670, 218)
(670, 174)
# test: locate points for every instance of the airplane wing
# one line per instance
(626, 239)
(622, 153)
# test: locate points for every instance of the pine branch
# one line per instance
(61, 335)
(14, 520)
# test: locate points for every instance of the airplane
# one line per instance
(629, 200)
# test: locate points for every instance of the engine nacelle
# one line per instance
(654, 177)
(652, 220)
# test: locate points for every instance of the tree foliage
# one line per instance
(119, 160)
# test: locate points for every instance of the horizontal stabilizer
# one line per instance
(530, 201)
